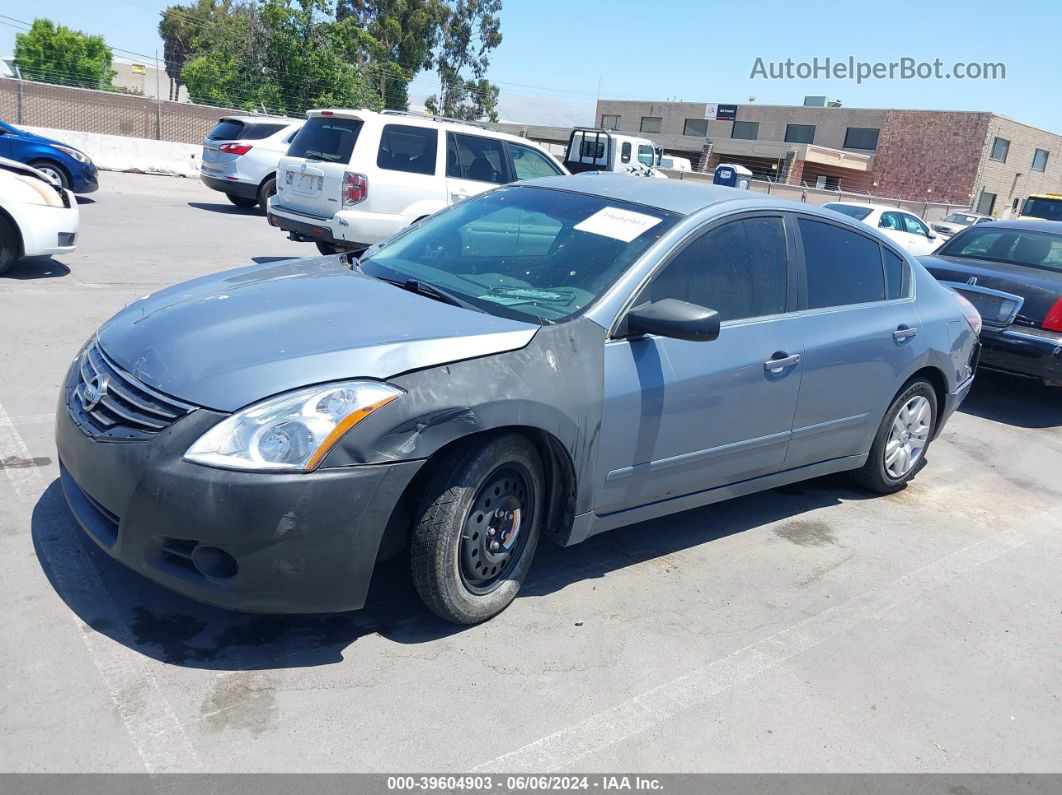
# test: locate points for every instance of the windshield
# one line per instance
(523, 252)
(1041, 207)
(960, 218)
(326, 138)
(1017, 246)
(859, 213)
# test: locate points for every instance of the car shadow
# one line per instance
(1013, 400)
(225, 209)
(37, 268)
(84, 200)
(166, 626)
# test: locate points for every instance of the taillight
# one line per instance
(235, 149)
(973, 317)
(355, 188)
(1053, 321)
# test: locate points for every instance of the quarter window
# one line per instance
(528, 164)
(409, 149)
(895, 276)
(1000, 147)
(842, 267)
(738, 269)
(800, 133)
(475, 158)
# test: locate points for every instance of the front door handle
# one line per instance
(903, 333)
(781, 361)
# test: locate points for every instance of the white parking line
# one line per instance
(157, 735)
(558, 751)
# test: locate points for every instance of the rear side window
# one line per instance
(324, 138)
(528, 164)
(738, 269)
(227, 130)
(258, 132)
(476, 158)
(895, 276)
(409, 149)
(842, 267)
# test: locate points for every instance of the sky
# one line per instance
(557, 56)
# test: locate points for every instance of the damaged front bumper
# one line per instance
(251, 541)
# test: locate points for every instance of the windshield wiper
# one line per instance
(431, 291)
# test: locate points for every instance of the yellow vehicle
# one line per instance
(1042, 205)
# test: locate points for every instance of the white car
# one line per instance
(953, 223)
(353, 177)
(904, 228)
(38, 217)
(240, 157)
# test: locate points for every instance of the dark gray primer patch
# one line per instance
(806, 533)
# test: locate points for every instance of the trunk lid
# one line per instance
(310, 176)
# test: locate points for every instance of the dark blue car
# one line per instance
(71, 167)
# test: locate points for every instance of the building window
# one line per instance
(1040, 160)
(800, 133)
(1000, 147)
(985, 202)
(610, 121)
(861, 138)
(748, 130)
(696, 127)
(651, 124)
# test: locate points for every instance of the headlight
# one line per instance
(81, 157)
(293, 432)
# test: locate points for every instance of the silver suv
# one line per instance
(240, 157)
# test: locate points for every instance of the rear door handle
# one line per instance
(779, 363)
(903, 333)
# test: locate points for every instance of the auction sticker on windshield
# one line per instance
(617, 223)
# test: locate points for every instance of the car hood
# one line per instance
(230, 339)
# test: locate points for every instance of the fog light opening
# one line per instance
(214, 563)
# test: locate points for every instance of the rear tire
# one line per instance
(265, 190)
(899, 449)
(9, 245)
(242, 201)
(328, 248)
(477, 529)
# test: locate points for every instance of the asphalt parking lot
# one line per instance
(808, 628)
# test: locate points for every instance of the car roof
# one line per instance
(262, 119)
(419, 120)
(684, 197)
(885, 208)
(1032, 224)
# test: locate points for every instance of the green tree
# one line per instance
(56, 54)
(279, 56)
(179, 29)
(398, 37)
(471, 31)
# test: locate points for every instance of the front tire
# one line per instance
(242, 201)
(9, 245)
(477, 529)
(899, 449)
(52, 170)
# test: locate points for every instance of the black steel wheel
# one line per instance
(477, 528)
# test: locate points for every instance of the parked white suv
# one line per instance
(353, 177)
(904, 228)
(240, 156)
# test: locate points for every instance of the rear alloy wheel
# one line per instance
(9, 245)
(55, 172)
(477, 529)
(242, 201)
(899, 449)
(265, 191)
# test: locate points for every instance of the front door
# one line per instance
(681, 417)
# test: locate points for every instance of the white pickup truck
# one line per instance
(594, 149)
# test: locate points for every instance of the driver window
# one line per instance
(625, 152)
(914, 226)
(890, 221)
(739, 269)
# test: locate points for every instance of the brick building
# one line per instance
(963, 158)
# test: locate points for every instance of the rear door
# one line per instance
(680, 417)
(407, 161)
(310, 177)
(474, 163)
(860, 339)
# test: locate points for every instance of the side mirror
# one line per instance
(673, 318)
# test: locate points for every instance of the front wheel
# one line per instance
(899, 449)
(57, 173)
(477, 529)
(242, 201)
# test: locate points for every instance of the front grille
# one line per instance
(109, 402)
